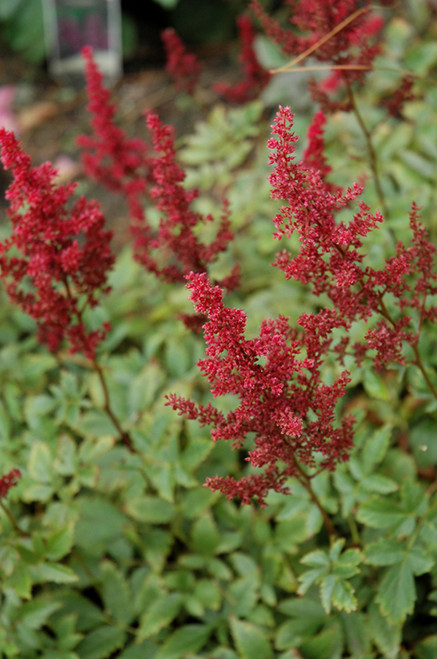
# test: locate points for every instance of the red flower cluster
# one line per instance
(331, 259)
(282, 402)
(131, 168)
(284, 407)
(176, 244)
(109, 156)
(314, 155)
(8, 481)
(255, 76)
(56, 259)
(183, 67)
(336, 39)
(404, 93)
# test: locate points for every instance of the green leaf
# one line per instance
(342, 596)
(150, 509)
(250, 640)
(96, 423)
(59, 543)
(293, 632)
(52, 572)
(66, 456)
(387, 637)
(419, 561)
(20, 581)
(100, 520)
(8, 8)
(243, 595)
(101, 643)
(382, 514)
(116, 593)
(427, 648)
(316, 558)
(375, 385)
(414, 498)
(307, 579)
(208, 593)
(145, 386)
(205, 537)
(327, 644)
(385, 551)
(40, 463)
(357, 634)
(376, 447)
(5, 423)
(187, 639)
(422, 442)
(397, 593)
(159, 615)
(34, 614)
(379, 484)
(144, 650)
(87, 614)
(38, 492)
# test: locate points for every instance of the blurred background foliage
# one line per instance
(197, 22)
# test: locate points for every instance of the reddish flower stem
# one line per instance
(305, 480)
(98, 369)
(373, 160)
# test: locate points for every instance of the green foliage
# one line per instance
(106, 552)
(23, 28)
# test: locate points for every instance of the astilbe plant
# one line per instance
(109, 155)
(56, 261)
(344, 39)
(255, 77)
(291, 415)
(9, 480)
(331, 260)
(176, 235)
(143, 172)
(183, 67)
(282, 400)
(277, 377)
(340, 35)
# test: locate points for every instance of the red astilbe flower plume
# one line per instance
(400, 96)
(255, 76)
(8, 481)
(352, 45)
(183, 66)
(176, 249)
(314, 155)
(118, 162)
(57, 259)
(129, 167)
(282, 400)
(331, 259)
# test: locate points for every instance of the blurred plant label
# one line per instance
(70, 25)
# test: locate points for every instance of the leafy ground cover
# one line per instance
(323, 543)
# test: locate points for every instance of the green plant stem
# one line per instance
(355, 535)
(373, 160)
(107, 407)
(12, 519)
(420, 365)
(305, 480)
(96, 366)
(414, 346)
